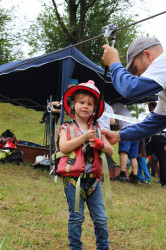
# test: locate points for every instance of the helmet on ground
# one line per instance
(9, 145)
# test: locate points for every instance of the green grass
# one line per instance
(24, 123)
(34, 211)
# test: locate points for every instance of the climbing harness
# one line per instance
(70, 159)
(84, 194)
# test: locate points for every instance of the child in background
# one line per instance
(79, 170)
(142, 166)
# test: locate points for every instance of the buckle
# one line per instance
(87, 175)
(84, 175)
(71, 161)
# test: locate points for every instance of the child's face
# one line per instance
(84, 106)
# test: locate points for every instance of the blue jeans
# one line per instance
(97, 212)
(142, 166)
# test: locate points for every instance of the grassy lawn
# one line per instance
(34, 212)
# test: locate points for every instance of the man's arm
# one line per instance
(151, 125)
(131, 86)
(126, 84)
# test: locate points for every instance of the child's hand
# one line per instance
(92, 143)
(96, 143)
(91, 133)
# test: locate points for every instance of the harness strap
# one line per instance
(72, 134)
(70, 161)
(80, 190)
(77, 195)
(92, 188)
(60, 154)
(107, 186)
(98, 132)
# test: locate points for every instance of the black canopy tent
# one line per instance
(31, 82)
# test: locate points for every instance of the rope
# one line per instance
(82, 42)
(145, 19)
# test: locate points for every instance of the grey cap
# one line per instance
(137, 46)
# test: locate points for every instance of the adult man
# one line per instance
(146, 59)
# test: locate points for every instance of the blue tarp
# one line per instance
(31, 82)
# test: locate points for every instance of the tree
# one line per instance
(137, 109)
(80, 21)
(8, 42)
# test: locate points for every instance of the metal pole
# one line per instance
(50, 134)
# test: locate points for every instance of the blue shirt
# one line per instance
(132, 87)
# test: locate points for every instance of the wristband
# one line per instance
(98, 144)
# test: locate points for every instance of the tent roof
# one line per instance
(31, 82)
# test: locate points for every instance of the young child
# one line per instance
(82, 171)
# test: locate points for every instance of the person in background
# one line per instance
(142, 166)
(55, 104)
(105, 122)
(152, 105)
(154, 162)
(144, 75)
(127, 149)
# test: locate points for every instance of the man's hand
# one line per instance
(110, 55)
(112, 137)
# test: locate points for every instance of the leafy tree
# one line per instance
(80, 21)
(137, 109)
(8, 42)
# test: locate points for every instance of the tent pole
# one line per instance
(50, 134)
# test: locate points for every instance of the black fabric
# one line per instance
(16, 157)
(7, 134)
